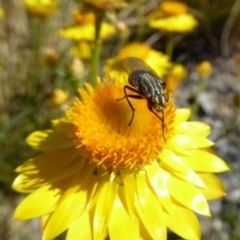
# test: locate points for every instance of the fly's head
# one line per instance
(159, 102)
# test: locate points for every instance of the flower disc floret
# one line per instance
(110, 142)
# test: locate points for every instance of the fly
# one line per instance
(146, 84)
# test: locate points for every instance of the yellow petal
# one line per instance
(104, 207)
(39, 203)
(62, 126)
(172, 162)
(48, 140)
(149, 209)
(183, 222)
(200, 129)
(180, 23)
(86, 31)
(41, 8)
(72, 205)
(93, 195)
(121, 225)
(67, 212)
(158, 180)
(215, 188)
(191, 177)
(38, 171)
(80, 229)
(22, 183)
(182, 115)
(188, 195)
(58, 159)
(181, 142)
(77, 33)
(62, 173)
(44, 220)
(204, 161)
(129, 190)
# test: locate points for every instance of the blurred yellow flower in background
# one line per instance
(1, 12)
(106, 4)
(172, 17)
(172, 8)
(81, 18)
(97, 177)
(87, 32)
(157, 60)
(41, 8)
(204, 68)
(82, 50)
(58, 97)
(84, 29)
(175, 75)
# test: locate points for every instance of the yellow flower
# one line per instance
(105, 4)
(41, 8)
(172, 17)
(58, 97)
(82, 50)
(87, 32)
(176, 74)
(85, 28)
(204, 68)
(178, 71)
(172, 8)
(99, 177)
(1, 12)
(79, 17)
(157, 60)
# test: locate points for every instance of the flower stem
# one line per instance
(96, 50)
(140, 15)
(201, 88)
(36, 70)
(169, 47)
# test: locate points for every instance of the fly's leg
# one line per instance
(127, 96)
(161, 118)
(163, 125)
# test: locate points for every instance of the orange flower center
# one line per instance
(102, 131)
(173, 8)
(83, 18)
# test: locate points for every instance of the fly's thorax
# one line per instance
(148, 84)
(136, 77)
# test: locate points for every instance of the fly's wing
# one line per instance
(132, 64)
